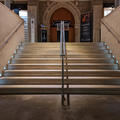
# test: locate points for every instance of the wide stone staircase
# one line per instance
(36, 68)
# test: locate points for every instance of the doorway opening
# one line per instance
(62, 14)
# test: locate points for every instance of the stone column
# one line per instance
(32, 17)
(7, 3)
(97, 16)
(77, 32)
(117, 3)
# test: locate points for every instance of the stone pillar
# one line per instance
(7, 3)
(32, 19)
(77, 32)
(98, 14)
(117, 3)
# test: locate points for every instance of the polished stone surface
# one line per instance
(49, 108)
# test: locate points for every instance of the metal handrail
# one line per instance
(63, 55)
(62, 40)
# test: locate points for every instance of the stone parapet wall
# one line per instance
(110, 32)
(11, 34)
(8, 21)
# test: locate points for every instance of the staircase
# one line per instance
(36, 69)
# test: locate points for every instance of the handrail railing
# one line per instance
(62, 40)
(63, 56)
(10, 35)
(117, 37)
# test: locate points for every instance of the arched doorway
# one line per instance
(70, 6)
(62, 14)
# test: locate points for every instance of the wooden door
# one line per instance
(62, 14)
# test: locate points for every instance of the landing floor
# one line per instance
(49, 108)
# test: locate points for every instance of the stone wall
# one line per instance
(8, 22)
(84, 6)
(94, 6)
(42, 7)
(11, 34)
(110, 32)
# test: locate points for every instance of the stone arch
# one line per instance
(67, 5)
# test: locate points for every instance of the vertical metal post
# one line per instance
(63, 97)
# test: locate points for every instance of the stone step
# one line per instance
(57, 44)
(68, 48)
(36, 89)
(47, 51)
(51, 73)
(58, 66)
(58, 60)
(68, 56)
(58, 81)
